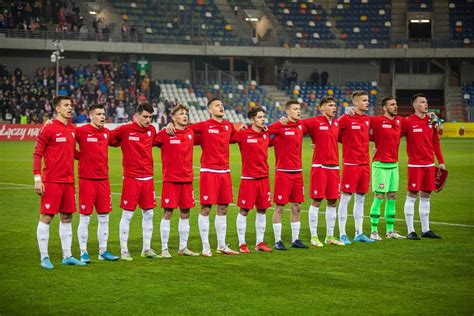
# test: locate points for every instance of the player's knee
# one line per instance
(316, 202)
(261, 210)
(66, 218)
(391, 195)
(425, 194)
(184, 213)
(222, 209)
(205, 210)
(244, 212)
(167, 213)
(332, 203)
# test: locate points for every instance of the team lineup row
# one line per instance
(56, 145)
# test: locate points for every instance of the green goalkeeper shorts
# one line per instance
(385, 177)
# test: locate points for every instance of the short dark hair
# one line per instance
(289, 103)
(145, 106)
(212, 100)
(416, 96)
(179, 107)
(386, 99)
(254, 111)
(96, 106)
(327, 99)
(57, 100)
(358, 93)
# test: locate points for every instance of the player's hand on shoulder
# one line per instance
(170, 130)
(350, 111)
(243, 127)
(284, 120)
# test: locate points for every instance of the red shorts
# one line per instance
(141, 192)
(216, 188)
(421, 179)
(177, 194)
(254, 192)
(94, 193)
(325, 183)
(58, 198)
(355, 178)
(289, 187)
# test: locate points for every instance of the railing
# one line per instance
(140, 37)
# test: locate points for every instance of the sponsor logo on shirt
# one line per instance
(58, 134)
(324, 128)
(175, 141)
(213, 131)
(90, 135)
(134, 138)
(60, 139)
(252, 140)
(386, 126)
(290, 133)
(355, 127)
(92, 140)
(417, 130)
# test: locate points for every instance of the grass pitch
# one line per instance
(389, 277)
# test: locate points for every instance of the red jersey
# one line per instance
(214, 138)
(136, 143)
(176, 155)
(56, 142)
(288, 141)
(354, 133)
(324, 135)
(254, 149)
(422, 141)
(386, 136)
(94, 152)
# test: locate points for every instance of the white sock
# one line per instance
(260, 226)
(277, 231)
(424, 210)
(241, 228)
(358, 212)
(203, 223)
(221, 229)
(65, 233)
(103, 232)
(124, 230)
(313, 220)
(147, 227)
(183, 228)
(295, 231)
(342, 213)
(331, 220)
(410, 213)
(165, 228)
(42, 234)
(83, 232)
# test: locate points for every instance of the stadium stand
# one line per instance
(184, 21)
(420, 5)
(364, 23)
(307, 23)
(461, 22)
(468, 89)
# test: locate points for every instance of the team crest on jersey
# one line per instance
(335, 123)
(264, 136)
(47, 206)
(167, 201)
(226, 128)
(73, 135)
(149, 133)
(381, 186)
(83, 206)
(105, 135)
(205, 197)
(299, 127)
(243, 202)
(190, 136)
(367, 123)
(398, 122)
